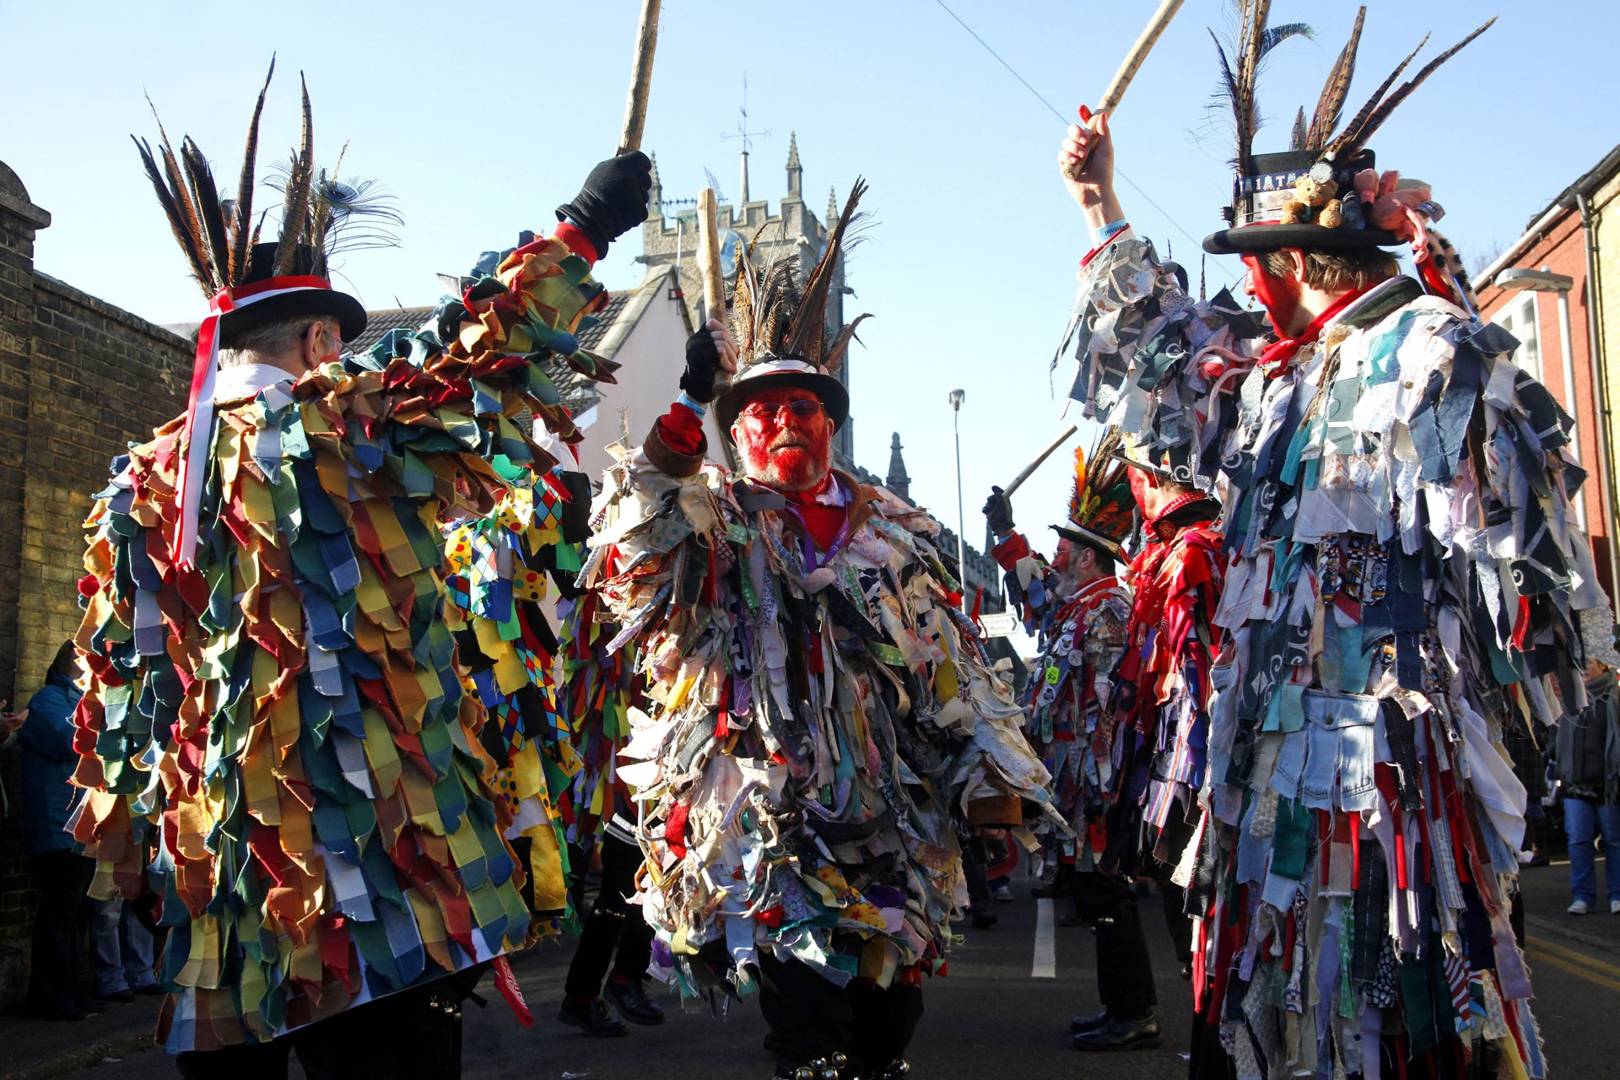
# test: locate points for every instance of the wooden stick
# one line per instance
(1029, 469)
(1133, 60)
(714, 281)
(635, 110)
(1127, 71)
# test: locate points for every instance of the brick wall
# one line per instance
(79, 379)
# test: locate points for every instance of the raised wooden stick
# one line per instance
(1127, 71)
(635, 110)
(1133, 60)
(1029, 470)
(714, 280)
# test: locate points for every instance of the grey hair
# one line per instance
(272, 339)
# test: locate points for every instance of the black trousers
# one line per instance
(974, 860)
(412, 1034)
(57, 971)
(614, 933)
(1124, 969)
(812, 1018)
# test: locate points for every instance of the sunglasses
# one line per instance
(802, 408)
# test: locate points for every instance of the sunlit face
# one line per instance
(1280, 296)
(784, 436)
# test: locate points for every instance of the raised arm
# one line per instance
(1148, 355)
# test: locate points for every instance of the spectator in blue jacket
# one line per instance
(61, 874)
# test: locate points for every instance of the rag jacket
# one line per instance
(1402, 577)
(819, 721)
(288, 722)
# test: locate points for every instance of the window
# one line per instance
(1519, 318)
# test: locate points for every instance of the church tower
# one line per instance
(669, 237)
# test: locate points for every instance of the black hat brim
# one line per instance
(349, 313)
(1111, 549)
(834, 398)
(1247, 239)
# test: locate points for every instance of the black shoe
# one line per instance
(1122, 1034)
(827, 1068)
(1088, 1023)
(983, 920)
(632, 1002)
(120, 997)
(1073, 918)
(591, 1017)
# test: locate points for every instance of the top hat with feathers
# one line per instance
(1306, 196)
(249, 283)
(1101, 509)
(254, 283)
(781, 327)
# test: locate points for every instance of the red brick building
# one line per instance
(1549, 289)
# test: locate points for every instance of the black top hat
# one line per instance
(303, 300)
(1306, 197)
(1281, 201)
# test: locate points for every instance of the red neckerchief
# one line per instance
(1279, 354)
(821, 521)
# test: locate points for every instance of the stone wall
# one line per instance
(79, 379)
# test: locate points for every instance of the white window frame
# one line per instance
(1522, 319)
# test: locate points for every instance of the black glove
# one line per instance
(998, 511)
(702, 365)
(613, 200)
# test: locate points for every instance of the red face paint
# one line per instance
(779, 447)
(1279, 296)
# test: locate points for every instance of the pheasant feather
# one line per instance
(1330, 104)
(243, 217)
(1358, 136)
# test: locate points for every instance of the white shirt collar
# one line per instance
(246, 380)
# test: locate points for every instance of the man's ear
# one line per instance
(1297, 257)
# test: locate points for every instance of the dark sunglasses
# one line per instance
(802, 408)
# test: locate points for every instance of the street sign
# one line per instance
(999, 623)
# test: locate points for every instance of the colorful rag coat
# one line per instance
(1070, 721)
(1402, 579)
(599, 687)
(1160, 705)
(818, 723)
(281, 740)
(500, 569)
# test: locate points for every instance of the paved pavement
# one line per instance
(989, 1020)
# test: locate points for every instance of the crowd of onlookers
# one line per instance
(120, 933)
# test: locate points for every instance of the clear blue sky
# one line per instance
(483, 117)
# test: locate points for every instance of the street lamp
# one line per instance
(961, 516)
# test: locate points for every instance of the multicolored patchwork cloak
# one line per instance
(1159, 727)
(1070, 720)
(499, 568)
(280, 740)
(1402, 580)
(818, 724)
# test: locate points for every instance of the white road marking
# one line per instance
(1045, 965)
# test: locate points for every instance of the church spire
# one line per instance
(655, 196)
(795, 171)
(897, 481)
(832, 208)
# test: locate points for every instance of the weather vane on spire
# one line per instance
(747, 138)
